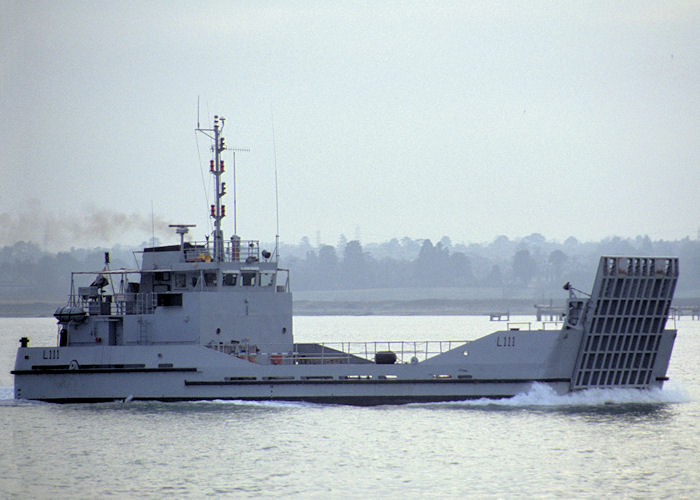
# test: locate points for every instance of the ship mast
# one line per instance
(217, 211)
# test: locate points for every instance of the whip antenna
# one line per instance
(153, 223)
(277, 203)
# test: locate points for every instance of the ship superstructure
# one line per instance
(213, 320)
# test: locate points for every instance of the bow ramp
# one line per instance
(624, 341)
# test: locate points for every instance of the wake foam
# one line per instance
(259, 404)
(7, 398)
(543, 395)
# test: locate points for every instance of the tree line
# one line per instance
(531, 264)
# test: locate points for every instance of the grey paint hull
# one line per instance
(499, 365)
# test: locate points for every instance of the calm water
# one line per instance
(595, 444)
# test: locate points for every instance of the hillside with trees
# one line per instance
(530, 268)
(531, 265)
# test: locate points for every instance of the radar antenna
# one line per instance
(182, 230)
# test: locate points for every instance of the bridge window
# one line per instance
(210, 279)
(230, 279)
(180, 280)
(249, 278)
(162, 276)
(267, 279)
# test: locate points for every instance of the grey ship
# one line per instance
(213, 320)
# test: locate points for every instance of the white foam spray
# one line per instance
(261, 404)
(542, 395)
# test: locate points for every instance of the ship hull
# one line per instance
(84, 387)
(499, 365)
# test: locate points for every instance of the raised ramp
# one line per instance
(624, 322)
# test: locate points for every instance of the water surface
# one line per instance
(592, 444)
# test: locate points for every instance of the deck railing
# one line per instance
(234, 251)
(406, 351)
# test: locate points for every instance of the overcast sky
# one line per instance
(392, 119)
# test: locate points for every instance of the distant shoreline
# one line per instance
(424, 307)
(28, 309)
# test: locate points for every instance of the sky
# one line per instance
(383, 119)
